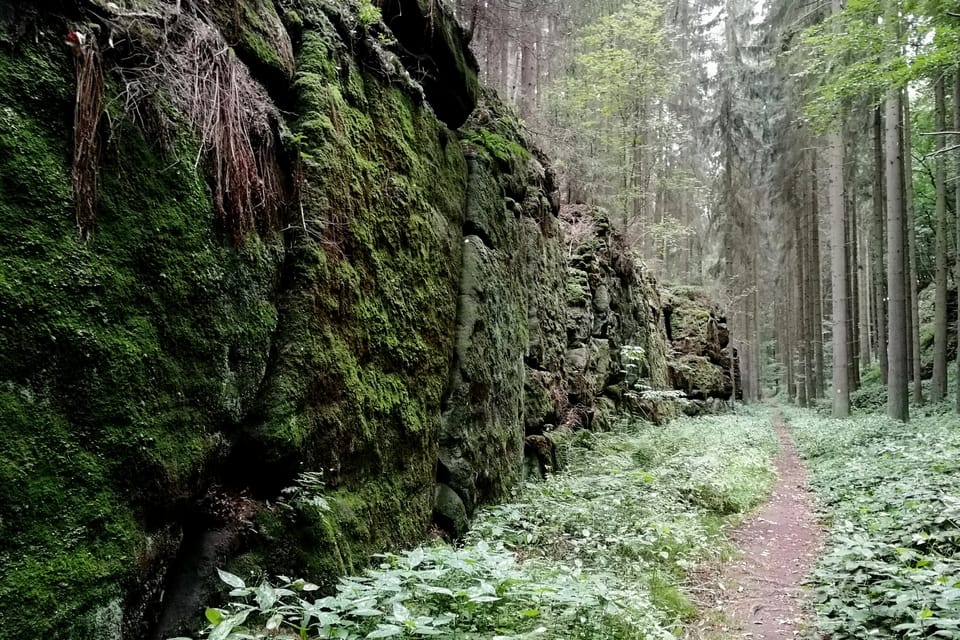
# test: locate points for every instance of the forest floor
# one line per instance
(758, 595)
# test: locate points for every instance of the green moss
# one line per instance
(508, 153)
(339, 540)
(363, 347)
(65, 531)
(128, 362)
(258, 36)
(578, 288)
(121, 358)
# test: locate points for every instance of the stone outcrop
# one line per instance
(377, 355)
(613, 305)
(700, 363)
(543, 314)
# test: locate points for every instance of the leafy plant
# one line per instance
(307, 490)
(890, 494)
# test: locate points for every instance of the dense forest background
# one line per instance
(798, 158)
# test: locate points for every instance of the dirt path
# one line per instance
(779, 544)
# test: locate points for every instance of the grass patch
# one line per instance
(599, 551)
(891, 499)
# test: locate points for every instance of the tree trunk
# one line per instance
(877, 247)
(853, 280)
(897, 407)
(848, 253)
(528, 64)
(938, 384)
(815, 282)
(803, 361)
(746, 353)
(956, 193)
(866, 313)
(908, 340)
(788, 321)
(838, 276)
(912, 287)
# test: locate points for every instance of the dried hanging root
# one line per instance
(86, 123)
(232, 116)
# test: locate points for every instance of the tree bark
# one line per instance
(938, 384)
(853, 314)
(866, 300)
(803, 360)
(838, 276)
(789, 322)
(528, 64)
(956, 192)
(912, 286)
(897, 406)
(803, 353)
(877, 247)
(815, 282)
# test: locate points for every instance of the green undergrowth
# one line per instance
(598, 551)
(891, 498)
(871, 397)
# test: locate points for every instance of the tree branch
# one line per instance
(942, 151)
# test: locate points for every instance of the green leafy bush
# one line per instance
(891, 494)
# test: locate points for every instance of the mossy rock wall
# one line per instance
(127, 362)
(700, 344)
(510, 319)
(612, 304)
(406, 328)
(160, 386)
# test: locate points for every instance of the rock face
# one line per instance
(376, 348)
(543, 314)
(613, 308)
(700, 364)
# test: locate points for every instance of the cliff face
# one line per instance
(289, 356)
(700, 359)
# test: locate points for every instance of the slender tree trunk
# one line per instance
(866, 300)
(810, 382)
(849, 178)
(803, 361)
(789, 322)
(853, 280)
(801, 311)
(755, 330)
(528, 65)
(746, 353)
(912, 286)
(938, 384)
(897, 405)
(956, 193)
(838, 276)
(815, 281)
(877, 247)
(906, 247)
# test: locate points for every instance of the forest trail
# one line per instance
(778, 546)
